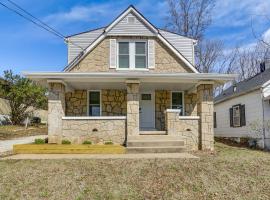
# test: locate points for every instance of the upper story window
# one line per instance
(132, 55)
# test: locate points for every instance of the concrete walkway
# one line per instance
(7, 145)
(102, 156)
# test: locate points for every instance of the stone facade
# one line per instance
(76, 103)
(133, 108)
(56, 110)
(95, 130)
(205, 111)
(162, 102)
(114, 102)
(187, 128)
(190, 104)
(98, 59)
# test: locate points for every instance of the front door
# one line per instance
(147, 111)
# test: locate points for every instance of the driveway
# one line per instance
(7, 145)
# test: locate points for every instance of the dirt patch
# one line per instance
(12, 131)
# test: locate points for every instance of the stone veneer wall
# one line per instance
(162, 102)
(190, 104)
(95, 130)
(114, 102)
(76, 103)
(98, 59)
(188, 129)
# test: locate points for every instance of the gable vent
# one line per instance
(131, 20)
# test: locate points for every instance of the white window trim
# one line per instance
(183, 100)
(100, 98)
(132, 55)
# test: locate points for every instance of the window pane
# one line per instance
(140, 48)
(140, 61)
(176, 98)
(146, 97)
(94, 110)
(123, 61)
(123, 48)
(94, 98)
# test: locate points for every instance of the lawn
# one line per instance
(230, 173)
(13, 131)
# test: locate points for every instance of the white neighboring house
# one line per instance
(240, 110)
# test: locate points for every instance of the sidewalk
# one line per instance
(7, 145)
(103, 156)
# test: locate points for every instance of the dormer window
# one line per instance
(132, 55)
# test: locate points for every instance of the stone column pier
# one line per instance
(56, 110)
(205, 111)
(133, 107)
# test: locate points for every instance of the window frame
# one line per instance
(88, 103)
(183, 101)
(233, 121)
(132, 54)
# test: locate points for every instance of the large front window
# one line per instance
(132, 55)
(94, 108)
(177, 101)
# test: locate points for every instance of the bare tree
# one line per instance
(208, 54)
(189, 17)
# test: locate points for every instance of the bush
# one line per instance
(66, 142)
(87, 142)
(108, 142)
(40, 141)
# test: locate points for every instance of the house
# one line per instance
(243, 110)
(132, 82)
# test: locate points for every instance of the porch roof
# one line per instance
(79, 80)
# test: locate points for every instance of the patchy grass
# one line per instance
(229, 173)
(13, 131)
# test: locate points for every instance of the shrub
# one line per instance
(66, 142)
(108, 142)
(87, 142)
(39, 141)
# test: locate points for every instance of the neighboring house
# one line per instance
(131, 80)
(241, 110)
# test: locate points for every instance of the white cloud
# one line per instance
(266, 36)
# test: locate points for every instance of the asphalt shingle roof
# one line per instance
(244, 86)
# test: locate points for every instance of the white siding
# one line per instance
(183, 44)
(83, 40)
(138, 28)
(253, 111)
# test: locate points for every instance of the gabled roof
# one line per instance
(114, 23)
(245, 86)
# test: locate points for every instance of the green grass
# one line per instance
(229, 173)
(14, 131)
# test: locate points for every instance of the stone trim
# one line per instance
(94, 118)
(189, 117)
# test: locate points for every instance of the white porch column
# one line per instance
(56, 110)
(133, 107)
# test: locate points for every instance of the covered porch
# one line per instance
(124, 105)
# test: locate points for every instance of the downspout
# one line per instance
(263, 124)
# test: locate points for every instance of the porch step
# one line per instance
(165, 149)
(155, 143)
(153, 133)
(154, 137)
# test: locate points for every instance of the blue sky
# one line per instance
(25, 47)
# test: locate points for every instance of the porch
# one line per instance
(121, 107)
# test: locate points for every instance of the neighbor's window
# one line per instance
(140, 55)
(94, 108)
(177, 101)
(236, 116)
(132, 55)
(123, 54)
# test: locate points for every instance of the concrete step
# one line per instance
(154, 137)
(154, 143)
(165, 149)
(153, 132)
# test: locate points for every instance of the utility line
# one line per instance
(40, 24)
